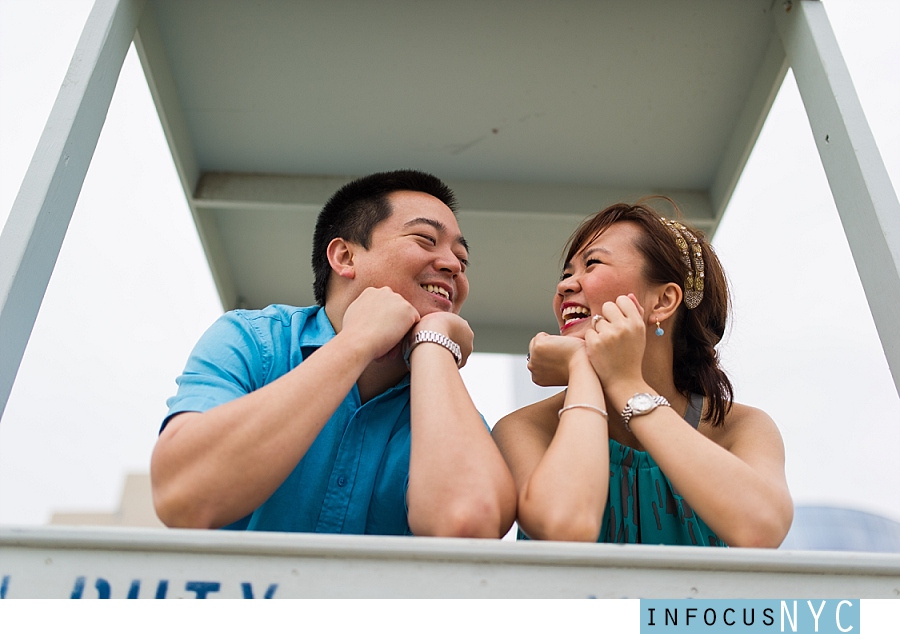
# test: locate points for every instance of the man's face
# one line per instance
(419, 252)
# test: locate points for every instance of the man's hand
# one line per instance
(451, 325)
(381, 318)
(549, 357)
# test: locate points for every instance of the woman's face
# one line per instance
(601, 271)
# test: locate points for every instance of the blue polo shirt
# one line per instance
(353, 478)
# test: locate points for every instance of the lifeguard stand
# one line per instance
(536, 114)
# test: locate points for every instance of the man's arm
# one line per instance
(212, 468)
(459, 484)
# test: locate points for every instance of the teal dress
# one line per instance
(643, 507)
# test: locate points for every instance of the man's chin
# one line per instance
(434, 308)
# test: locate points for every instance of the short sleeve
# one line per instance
(228, 362)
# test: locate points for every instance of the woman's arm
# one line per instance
(741, 491)
(733, 477)
(738, 487)
(560, 465)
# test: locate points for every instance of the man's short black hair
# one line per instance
(356, 208)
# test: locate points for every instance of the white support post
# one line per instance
(34, 232)
(859, 182)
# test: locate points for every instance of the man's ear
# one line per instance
(340, 257)
(667, 302)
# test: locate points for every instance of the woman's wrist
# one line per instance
(579, 362)
(618, 393)
(584, 386)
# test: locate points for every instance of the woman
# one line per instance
(645, 445)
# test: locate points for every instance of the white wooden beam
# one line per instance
(249, 192)
(743, 137)
(862, 190)
(150, 48)
(34, 232)
(57, 562)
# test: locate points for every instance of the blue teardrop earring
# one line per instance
(659, 331)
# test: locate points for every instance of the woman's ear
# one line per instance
(340, 257)
(667, 302)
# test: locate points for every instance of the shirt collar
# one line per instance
(319, 331)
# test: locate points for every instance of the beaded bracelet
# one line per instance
(583, 406)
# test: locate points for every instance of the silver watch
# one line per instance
(640, 404)
(431, 336)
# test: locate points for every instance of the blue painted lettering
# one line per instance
(247, 589)
(202, 588)
(102, 586)
(4, 586)
(78, 589)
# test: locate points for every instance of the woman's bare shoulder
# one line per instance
(743, 422)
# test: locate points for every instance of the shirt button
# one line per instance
(341, 481)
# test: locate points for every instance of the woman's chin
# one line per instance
(575, 328)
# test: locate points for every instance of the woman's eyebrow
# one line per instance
(593, 250)
(439, 226)
(584, 255)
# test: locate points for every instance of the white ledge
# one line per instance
(49, 562)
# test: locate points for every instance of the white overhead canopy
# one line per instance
(536, 113)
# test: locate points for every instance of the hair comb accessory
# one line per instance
(692, 256)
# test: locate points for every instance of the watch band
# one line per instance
(431, 336)
(640, 404)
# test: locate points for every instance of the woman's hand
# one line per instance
(615, 345)
(549, 357)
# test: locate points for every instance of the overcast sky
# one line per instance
(131, 291)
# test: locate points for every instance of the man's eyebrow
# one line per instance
(440, 226)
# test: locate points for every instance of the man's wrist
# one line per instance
(361, 350)
(432, 336)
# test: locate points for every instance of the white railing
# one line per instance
(67, 562)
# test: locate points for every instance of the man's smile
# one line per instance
(437, 290)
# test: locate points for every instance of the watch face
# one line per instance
(642, 403)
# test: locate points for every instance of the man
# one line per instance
(349, 416)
